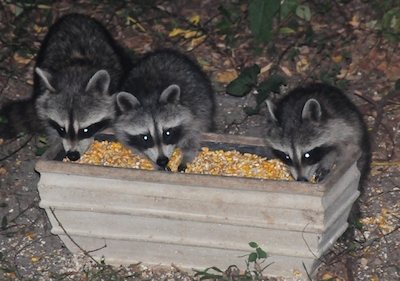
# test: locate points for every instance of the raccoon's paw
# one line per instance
(182, 167)
(321, 173)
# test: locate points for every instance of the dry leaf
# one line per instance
(38, 29)
(286, 71)
(190, 34)
(302, 65)
(266, 68)
(197, 41)
(35, 259)
(176, 31)
(3, 171)
(195, 19)
(337, 58)
(355, 22)
(135, 22)
(21, 60)
(227, 76)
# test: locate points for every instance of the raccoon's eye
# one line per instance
(142, 141)
(60, 130)
(285, 158)
(172, 135)
(314, 156)
(88, 132)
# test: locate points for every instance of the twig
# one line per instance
(17, 150)
(86, 253)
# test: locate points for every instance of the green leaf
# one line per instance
(397, 85)
(253, 244)
(288, 7)
(4, 222)
(303, 12)
(391, 20)
(271, 84)
(3, 120)
(261, 14)
(251, 110)
(244, 83)
(261, 253)
(40, 150)
(286, 30)
(252, 257)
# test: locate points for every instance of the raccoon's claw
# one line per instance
(321, 174)
(182, 168)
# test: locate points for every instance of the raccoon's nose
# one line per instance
(162, 161)
(304, 179)
(73, 155)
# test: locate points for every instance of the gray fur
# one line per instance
(78, 68)
(314, 117)
(168, 90)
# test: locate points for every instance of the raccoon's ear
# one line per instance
(126, 101)
(99, 82)
(312, 111)
(271, 111)
(46, 77)
(171, 94)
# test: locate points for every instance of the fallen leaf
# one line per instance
(342, 74)
(266, 68)
(35, 259)
(30, 236)
(3, 171)
(286, 71)
(38, 29)
(176, 31)
(302, 64)
(227, 76)
(329, 277)
(355, 22)
(21, 59)
(337, 58)
(190, 34)
(135, 22)
(195, 19)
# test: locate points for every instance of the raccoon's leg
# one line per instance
(325, 166)
(188, 154)
(189, 150)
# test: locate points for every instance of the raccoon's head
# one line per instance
(154, 130)
(74, 106)
(304, 140)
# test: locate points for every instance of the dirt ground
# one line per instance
(343, 50)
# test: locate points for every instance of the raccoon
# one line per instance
(78, 67)
(314, 128)
(166, 102)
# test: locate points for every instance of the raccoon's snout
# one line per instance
(73, 155)
(162, 161)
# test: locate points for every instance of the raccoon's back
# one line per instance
(76, 40)
(20, 117)
(334, 104)
(158, 70)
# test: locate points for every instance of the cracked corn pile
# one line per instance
(218, 162)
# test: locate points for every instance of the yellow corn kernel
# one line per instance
(218, 162)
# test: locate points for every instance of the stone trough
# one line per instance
(195, 221)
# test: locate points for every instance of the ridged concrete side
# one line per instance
(183, 256)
